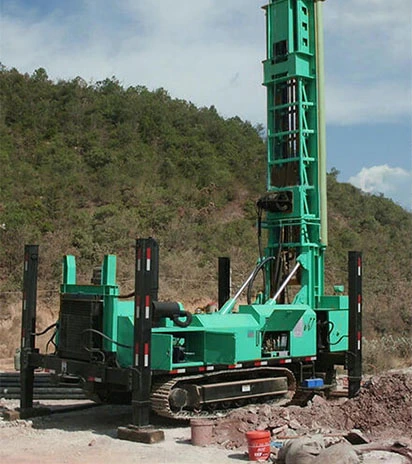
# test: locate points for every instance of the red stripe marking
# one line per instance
(146, 348)
(149, 253)
(147, 300)
(201, 369)
(232, 366)
(136, 348)
(257, 363)
(359, 336)
(139, 253)
(359, 262)
(138, 300)
(359, 299)
(174, 371)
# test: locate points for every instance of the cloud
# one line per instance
(395, 183)
(384, 101)
(209, 52)
(368, 56)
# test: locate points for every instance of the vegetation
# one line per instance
(86, 168)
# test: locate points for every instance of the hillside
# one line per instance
(87, 168)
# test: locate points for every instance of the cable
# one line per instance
(330, 331)
(96, 350)
(51, 340)
(105, 337)
(259, 236)
(340, 339)
(255, 272)
(129, 295)
(45, 330)
(278, 263)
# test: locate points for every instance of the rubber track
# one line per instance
(162, 388)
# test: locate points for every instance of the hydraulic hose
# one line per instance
(255, 273)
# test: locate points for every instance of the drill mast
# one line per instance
(295, 213)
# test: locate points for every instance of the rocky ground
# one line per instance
(383, 410)
(382, 414)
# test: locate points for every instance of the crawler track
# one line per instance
(162, 388)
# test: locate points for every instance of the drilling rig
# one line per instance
(160, 357)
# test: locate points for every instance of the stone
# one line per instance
(294, 424)
(341, 453)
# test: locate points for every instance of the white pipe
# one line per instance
(284, 283)
(228, 306)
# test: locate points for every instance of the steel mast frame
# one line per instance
(294, 157)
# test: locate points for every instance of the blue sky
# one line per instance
(210, 52)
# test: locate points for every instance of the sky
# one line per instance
(209, 52)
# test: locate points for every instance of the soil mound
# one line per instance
(384, 403)
(383, 409)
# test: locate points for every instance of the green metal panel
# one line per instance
(303, 336)
(110, 321)
(109, 270)
(339, 329)
(298, 321)
(218, 322)
(334, 302)
(283, 319)
(125, 336)
(232, 347)
(220, 348)
(162, 352)
(69, 270)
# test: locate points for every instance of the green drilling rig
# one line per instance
(162, 358)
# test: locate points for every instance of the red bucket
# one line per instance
(258, 445)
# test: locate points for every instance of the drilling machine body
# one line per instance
(178, 364)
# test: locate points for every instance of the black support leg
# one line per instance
(354, 357)
(224, 280)
(31, 254)
(147, 278)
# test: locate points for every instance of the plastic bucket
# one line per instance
(258, 445)
(201, 431)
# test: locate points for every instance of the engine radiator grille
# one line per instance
(78, 313)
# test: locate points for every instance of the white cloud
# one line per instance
(395, 183)
(209, 52)
(369, 54)
(383, 101)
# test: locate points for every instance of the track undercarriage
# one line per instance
(215, 394)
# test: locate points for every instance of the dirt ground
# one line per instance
(382, 412)
(89, 436)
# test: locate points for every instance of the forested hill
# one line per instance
(85, 168)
